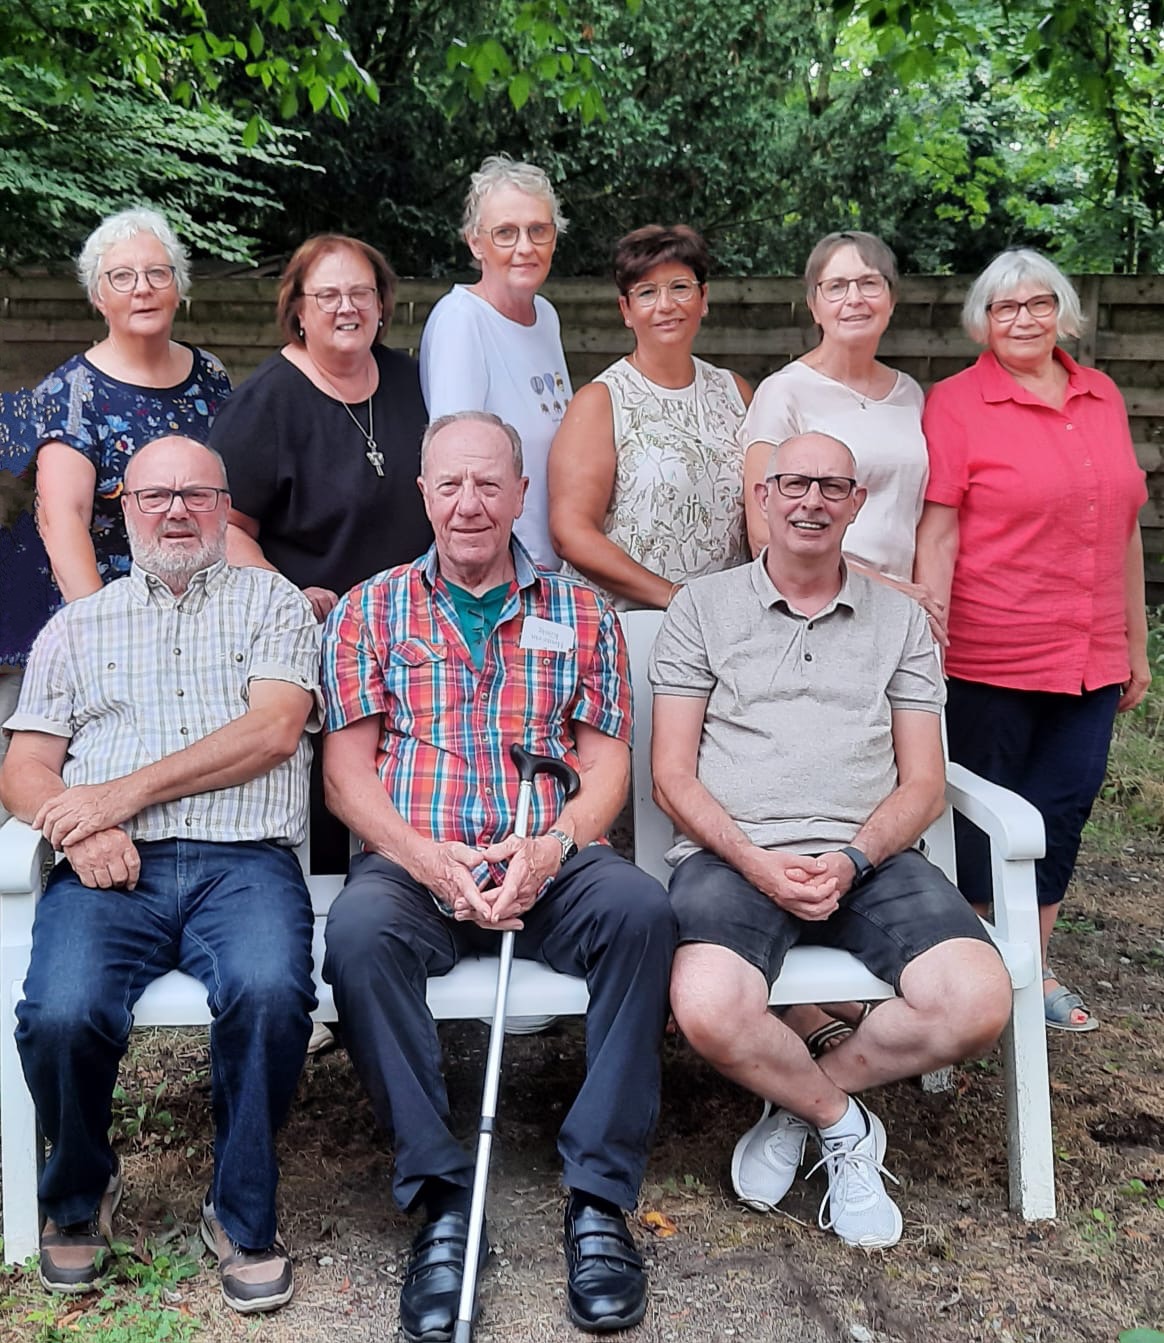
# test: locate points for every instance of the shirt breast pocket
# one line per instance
(552, 677)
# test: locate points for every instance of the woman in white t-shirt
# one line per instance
(495, 345)
(841, 388)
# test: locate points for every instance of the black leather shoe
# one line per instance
(606, 1287)
(432, 1286)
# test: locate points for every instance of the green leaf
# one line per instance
(520, 87)
(256, 40)
(250, 136)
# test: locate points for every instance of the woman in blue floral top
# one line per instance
(95, 411)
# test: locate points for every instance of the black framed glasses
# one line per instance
(647, 295)
(124, 278)
(836, 290)
(1038, 305)
(363, 296)
(832, 488)
(195, 498)
(506, 235)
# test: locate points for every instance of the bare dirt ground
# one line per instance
(966, 1270)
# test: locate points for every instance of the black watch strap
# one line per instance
(865, 868)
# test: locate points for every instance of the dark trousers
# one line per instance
(1050, 749)
(235, 916)
(601, 918)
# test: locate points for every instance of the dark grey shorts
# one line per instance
(904, 909)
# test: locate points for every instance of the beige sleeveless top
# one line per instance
(677, 507)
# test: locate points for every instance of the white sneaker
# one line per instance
(767, 1158)
(859, 1209)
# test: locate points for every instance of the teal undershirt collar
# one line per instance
(477, 616)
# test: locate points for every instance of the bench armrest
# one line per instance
(23, 853)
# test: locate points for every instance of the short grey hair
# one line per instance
(473, 417)
(1010, 269)
(875, 253)
(184, 438)
(121, 227)
(499, 170)
(808, 433)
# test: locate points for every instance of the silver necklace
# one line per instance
(373, 454)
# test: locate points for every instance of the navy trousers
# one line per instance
(601, 918)
(1050, 749)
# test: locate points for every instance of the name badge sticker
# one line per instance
(547, 635)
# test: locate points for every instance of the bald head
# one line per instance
(814, 446)
(163, 457)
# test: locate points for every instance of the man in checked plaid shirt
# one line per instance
(159, 744)
(430, 672)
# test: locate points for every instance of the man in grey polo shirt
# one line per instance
(797, 748)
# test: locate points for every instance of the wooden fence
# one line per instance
(754, 326)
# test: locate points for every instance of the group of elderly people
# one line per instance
(159, 736)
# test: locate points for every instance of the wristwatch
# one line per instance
(569, 848)
(865, 868)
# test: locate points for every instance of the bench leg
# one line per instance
(20, 1149)
(1028, 1107)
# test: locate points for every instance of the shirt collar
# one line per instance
(998, 385)
(146, 587)
(771, 596)
(525, 571)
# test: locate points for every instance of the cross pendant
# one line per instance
(375, 456)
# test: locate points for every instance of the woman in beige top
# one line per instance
(841, 388)
(646, 472)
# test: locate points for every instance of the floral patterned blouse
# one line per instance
(677, 507)
(107, 421)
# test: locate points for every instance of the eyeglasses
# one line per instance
(836, 290)
(832, 488)
(506, 235)
(647, 295)
(196, 499)
(124, 278)
(331, 300)
(1038, 305)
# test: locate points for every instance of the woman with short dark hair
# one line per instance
(646, 472)
(1030, 533)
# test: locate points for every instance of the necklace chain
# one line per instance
(373, 454)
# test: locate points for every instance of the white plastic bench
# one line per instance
(811, 974)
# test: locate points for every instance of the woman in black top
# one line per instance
(322, 442)
(322, 449)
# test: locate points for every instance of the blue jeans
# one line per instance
(235, 916)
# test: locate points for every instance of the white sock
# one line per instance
(850, 1125)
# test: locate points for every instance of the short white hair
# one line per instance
(121, 227)
(1010, 269)
(499, 170)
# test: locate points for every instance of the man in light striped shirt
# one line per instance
(159, 745)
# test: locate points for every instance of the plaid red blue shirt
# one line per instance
(393, 647)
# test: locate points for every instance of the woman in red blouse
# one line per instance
(1030, 534)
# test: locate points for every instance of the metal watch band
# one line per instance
(569, 848)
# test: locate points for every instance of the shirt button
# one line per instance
(181, 693)
(189, 821)
(810, 624)
(110, 666)
(488, 790)
(808, 657)
(177, 652)
(238, 657)
(1069, 426)
(182, 730)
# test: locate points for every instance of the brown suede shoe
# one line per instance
(252, 1280)
(68, 1254)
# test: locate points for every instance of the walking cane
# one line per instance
(527, 767)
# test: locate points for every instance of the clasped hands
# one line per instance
(808, 888)
(84, 823)
(447, 871)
